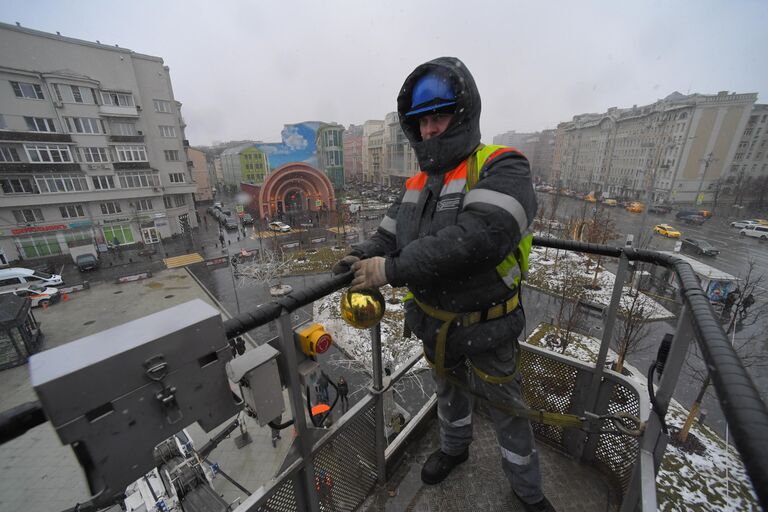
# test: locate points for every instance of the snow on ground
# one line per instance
(546, 276)
(713, 481)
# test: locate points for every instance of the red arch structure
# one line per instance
(312, 185)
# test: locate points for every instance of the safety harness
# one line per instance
(519, 259)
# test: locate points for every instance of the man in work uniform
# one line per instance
(455, 242)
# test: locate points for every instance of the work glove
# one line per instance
(344, 264)
(369, 274)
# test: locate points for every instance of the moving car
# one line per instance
(697, 246)
(635, 207)
(666, 230)
(247, 218)
(279, 226)
(693, 219)
(660, 209)
(755, 231)
(610, 202)
(747, 222)
(230, 223)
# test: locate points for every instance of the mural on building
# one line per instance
(298, 145)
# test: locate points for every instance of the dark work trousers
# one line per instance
(519, 457)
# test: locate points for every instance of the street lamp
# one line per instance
(708, 160)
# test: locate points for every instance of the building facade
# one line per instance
(400, 161)
(369, 128)
(678, 149)
(747, 176)
(200, 169)
(330, 152)
(353, 157)
(91, 147)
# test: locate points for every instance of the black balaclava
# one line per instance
(444, 152)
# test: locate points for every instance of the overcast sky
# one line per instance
(243, 69)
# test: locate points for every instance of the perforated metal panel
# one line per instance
(345, 469)
(619, 452)
(283, 499)
(548, 384)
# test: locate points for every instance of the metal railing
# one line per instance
(353, 452)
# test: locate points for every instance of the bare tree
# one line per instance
(569, 288)
(747, 308)
(631, 330)
(601, 229)
(267, 268)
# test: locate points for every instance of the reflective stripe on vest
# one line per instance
(463, 178)
(389, 225)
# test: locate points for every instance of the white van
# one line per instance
(755, 231)
(12, 278)
(40, 295)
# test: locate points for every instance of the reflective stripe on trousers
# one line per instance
(520, 460)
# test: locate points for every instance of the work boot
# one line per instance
(542, 505)
(439, 465)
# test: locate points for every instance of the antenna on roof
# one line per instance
(99, 42)
(58, 33)
(18, 24)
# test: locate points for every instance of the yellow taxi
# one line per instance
(666, 230)
(635, 207)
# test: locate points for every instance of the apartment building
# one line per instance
(91, 147)
(353, 154)
(400, 160)
(369, 128)
(679, 148)
(330, 152)
(201, 174)
(747, 175)
(244, 163)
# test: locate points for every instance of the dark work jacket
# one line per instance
(444, 251)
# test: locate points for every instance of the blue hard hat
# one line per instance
(431, 92)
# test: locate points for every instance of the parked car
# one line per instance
(40, 295)
(698, 246)
(279, 226)
(666, 230)
(247, 218)
(230, 223)
(610, 202)
(755, 231)
(660, 209)
(86, 262)
(693, 219)
(12, 278)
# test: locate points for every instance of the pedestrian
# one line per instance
(322, 388)
(221, 239)
(343, 388)
(458, 237)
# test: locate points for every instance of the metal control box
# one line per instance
(257, 373)
(116, 394)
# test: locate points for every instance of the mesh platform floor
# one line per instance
(480, 485)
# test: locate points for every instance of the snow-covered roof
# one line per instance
(703, 269)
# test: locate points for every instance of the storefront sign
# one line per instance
(114, 221)
(158, 215)
(80, 224)
(38, 229)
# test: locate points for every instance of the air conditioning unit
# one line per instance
(92, 166)
(57, 104)
(156, 189)
(140, 132)
(138, 107)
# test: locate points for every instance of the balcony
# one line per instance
(11, 136)
(118, 111)
(39, 167)
(126, 138)
(130, 166)
(605, 464)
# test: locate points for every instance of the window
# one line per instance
(110, 207)
(131, 153)
(179, 200)
(48, 153)
(171, 155)
(103, 182)
(138, 180)
(143, 204)
(28, 215)
(117, 99)
(87, 125)
(168, 131)
(17, 186)
(71, 211)
(8, 154)
(167, 202)
(121, 233)
(125, 128)
(37, 246)
(94, 155)
(177, 177)
(162, 106)
(56, 183)
(27, 90)
(39, 124)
